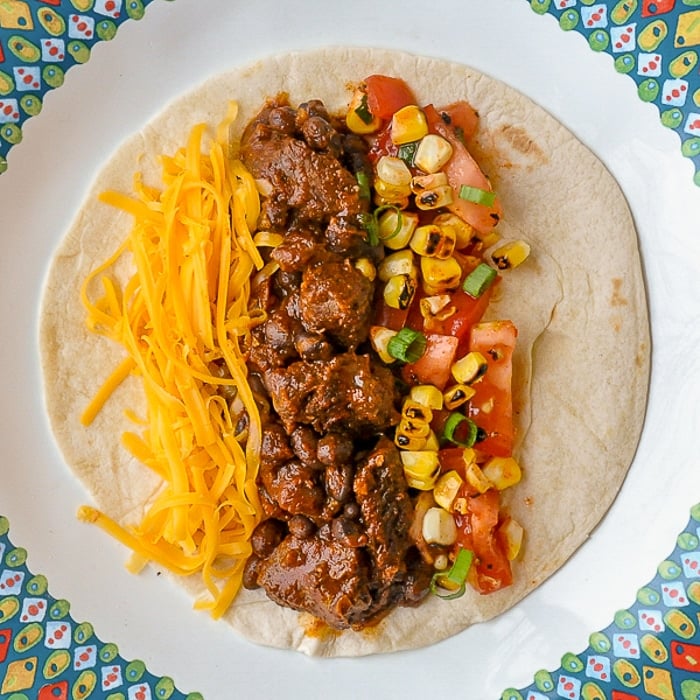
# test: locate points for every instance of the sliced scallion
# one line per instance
(479, 280)
(453, 430)
(407, 345)
(362, 110)
(452, 584)
(363, 183)
(407, 152)
(477, 195)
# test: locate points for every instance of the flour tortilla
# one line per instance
(582, 363)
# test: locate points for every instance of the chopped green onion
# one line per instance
(371, 226)
(407, 345)
(477, 195)
(362, 110)
(363, 183)
(479, 280)
(454, 580)
(407, 152)
(455, 421)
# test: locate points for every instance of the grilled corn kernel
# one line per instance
(439, 527)
(457, 395)
(446, 489)
(463, 232)
(412, 444)
(512, 532)
(422, 183)
(427, 395)
(477, 479)
(432, 153)
(379, 337)
(367, 268)
(413, 427)
(421, 468)
(393, 171)
(511, 254)
(400, 263)
(440, 276)
(469, 368)
(358, 118)
(399, 291)
(408, 124)
(434, 199)
(399, 203)
(412, 410)
(391, 193)
(433, 241)
(396, 228)
(502, 472)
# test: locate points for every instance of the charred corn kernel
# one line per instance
(408, 124)
(457, 395)
(396, 228)
(413, 427)
(427, 395)
(412, 444)
(512, 532)
(440, 276)
(379, 337)
(367, 268)
(463, 232)
(412, 410)
(439, 527)
(432, 153)
(421, 468)
(393, 171)
(510, 254)
(438, 197)
(423, 183)
(433, 241)
(476, 479)
(502, 472)
(400, 263)
(446, 489)
(358, 118)
(399, 291)
(469, 368)
(436, 308)
(391, 193)
(468, 457)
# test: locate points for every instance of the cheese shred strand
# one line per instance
(183, 319)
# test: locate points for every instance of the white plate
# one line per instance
(175, 47)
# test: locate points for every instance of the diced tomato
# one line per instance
(434, 366)
(381, 145)
(491, 407)
(461, 117)
(462, 169)
(450, 458)
(386, 95)
(492, 567)
(390, 317)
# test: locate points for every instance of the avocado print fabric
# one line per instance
(39, 41)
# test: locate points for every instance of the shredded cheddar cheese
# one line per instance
(184, 310)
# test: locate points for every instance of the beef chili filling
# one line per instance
(337, 512)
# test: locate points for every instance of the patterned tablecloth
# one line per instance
(651, 650)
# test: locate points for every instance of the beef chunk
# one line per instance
(321, 576)
(348, 392)
(387, 512)
(336, 299)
